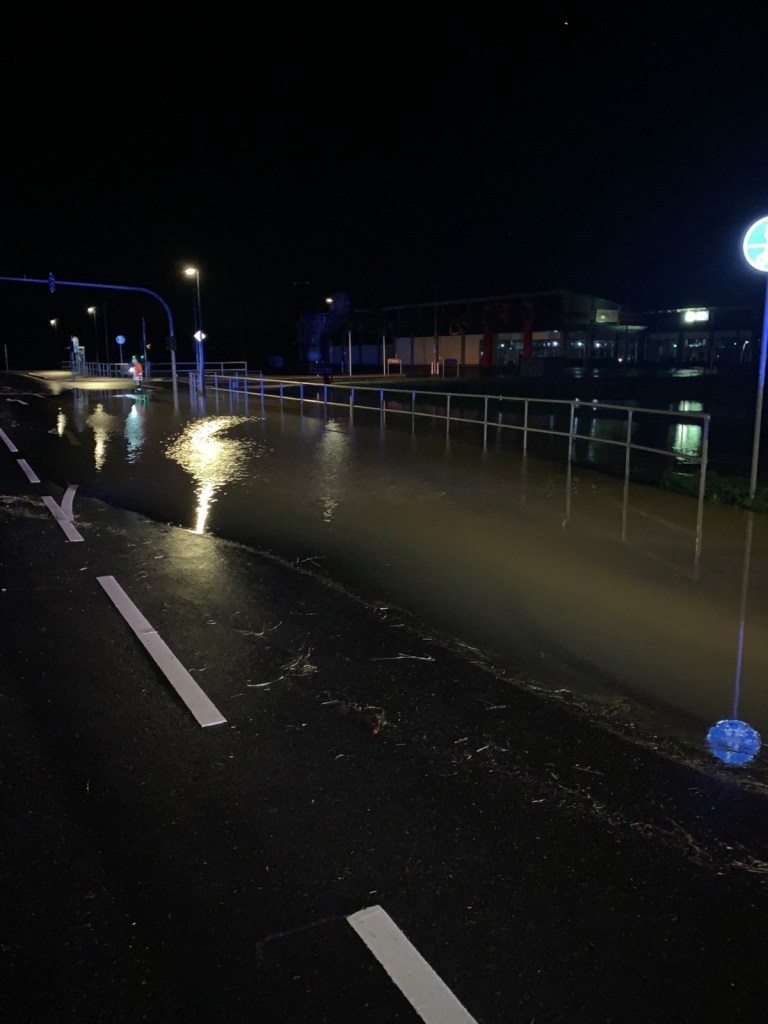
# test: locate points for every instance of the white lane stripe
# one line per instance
(198, 703)
(61, 518)
(66, 501)
(11, 446)
(425, 991)
(29, 472)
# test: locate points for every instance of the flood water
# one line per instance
(619, 596)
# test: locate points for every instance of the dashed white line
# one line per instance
(425, 991)
(205, 712)
(28, 471)
(9, 443)
(66, 501)
(61, 518)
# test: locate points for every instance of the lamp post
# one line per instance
(92, 312)
(198, 324)
(55, 325)
(755, 248)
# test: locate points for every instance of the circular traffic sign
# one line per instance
(755, 245)
(120, 339)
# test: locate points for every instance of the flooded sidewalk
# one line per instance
(623, 599)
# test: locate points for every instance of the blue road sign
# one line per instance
(756, 245)
(120, 339)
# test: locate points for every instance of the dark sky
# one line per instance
(383, 152)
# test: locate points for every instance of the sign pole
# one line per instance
(755, 248)
(759, 400)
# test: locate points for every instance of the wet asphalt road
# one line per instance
(545, 862)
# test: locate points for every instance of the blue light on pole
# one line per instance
(755, 248)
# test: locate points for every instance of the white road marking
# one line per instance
(11, 446)
(28, 471)
(196, 700)
(66, 501)
(425, 991)
(19, 400)
(61, 518)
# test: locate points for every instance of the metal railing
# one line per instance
(527, 417)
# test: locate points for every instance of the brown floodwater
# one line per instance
(625, 596)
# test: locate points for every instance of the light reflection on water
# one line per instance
(134, 431)
(103, 424)
(333, 456)
(562, 576)
(686, 438)
(212, 459)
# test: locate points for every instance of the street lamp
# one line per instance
(92, 312)
(198, 324)
(55, 325)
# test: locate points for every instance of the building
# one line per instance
(518, 331)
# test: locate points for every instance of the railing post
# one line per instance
(572, 429)
(629, 446)
(447, 414)
(525, 428)
(485, 423)
(627, 456)
(702, 486)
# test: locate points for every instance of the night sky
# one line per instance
(396, 158)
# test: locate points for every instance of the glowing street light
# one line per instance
(199, 336)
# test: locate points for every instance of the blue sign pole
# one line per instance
(759, 400)
(755, 249)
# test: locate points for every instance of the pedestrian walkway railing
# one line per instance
(632, 442)
(238, 367)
